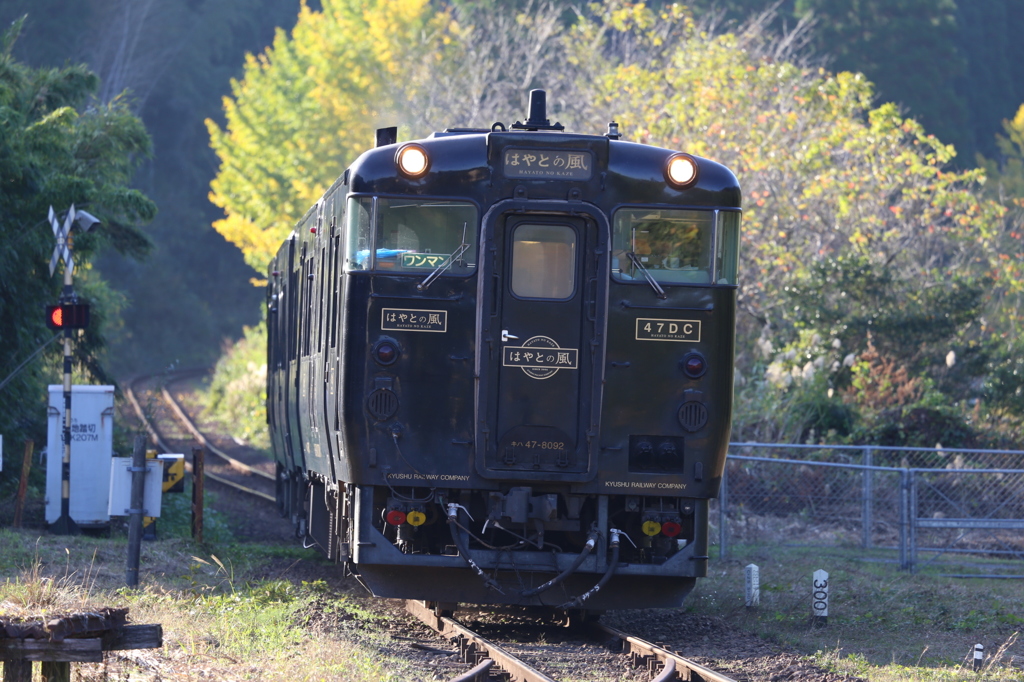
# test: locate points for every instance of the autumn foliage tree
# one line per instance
(848, 202)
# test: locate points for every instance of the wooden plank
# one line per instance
(80, 650)
(56, 671)
(17, 670)
(134, 637)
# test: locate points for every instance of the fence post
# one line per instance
(198, 490)
(723, 503)
(867, 496)
(904, 500)
(912, 518)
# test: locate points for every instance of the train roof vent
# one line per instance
(382, 404)
(693, 415)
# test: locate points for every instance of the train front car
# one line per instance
(535, 379)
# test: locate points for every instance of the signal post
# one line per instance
(69, 314)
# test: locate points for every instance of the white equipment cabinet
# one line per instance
(92, 447)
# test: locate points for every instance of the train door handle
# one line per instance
(505, 336)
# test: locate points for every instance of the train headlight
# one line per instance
(412, 160)
(681, 170)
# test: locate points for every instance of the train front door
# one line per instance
(540, 306)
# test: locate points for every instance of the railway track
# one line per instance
(164, 407)
(494, 661)
(172, 429)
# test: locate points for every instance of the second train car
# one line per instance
(500, 366)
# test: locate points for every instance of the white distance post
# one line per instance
(753, 585)
(819, 598)
(979, 656)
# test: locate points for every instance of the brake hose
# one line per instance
(591, 541)
(577, 602)
(453, 526)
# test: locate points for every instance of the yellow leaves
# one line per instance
(304, 109)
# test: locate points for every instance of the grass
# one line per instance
(222, 616)
(242, 611)
(883, 624)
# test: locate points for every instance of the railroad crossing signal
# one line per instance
(67, 316)
(62, 233)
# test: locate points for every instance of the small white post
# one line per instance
(979, 656)
(819, 598)
(753, 585)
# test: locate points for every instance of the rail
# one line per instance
(475, 647)
(159, 441)
(187, 422)
(485, 654)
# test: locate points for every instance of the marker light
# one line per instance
(694, 365)
(416, 518)
(396, 517)
(385, 352)
(651, 528)
(681, 170)
(671, 529)
(412, 160)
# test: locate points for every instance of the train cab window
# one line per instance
(673, 245)
(357, 248)
(727, 251)
(415, 236)
(543, 261)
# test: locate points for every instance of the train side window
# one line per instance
(673, 245)
(727, 254)
(357, 248)
(543, 261)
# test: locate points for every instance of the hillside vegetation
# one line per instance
(881, 284)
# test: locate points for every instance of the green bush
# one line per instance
(237, 395)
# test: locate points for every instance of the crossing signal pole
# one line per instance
(69, 314)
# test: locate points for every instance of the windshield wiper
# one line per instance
(442, 267)
(647, 275)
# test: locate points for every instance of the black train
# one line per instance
(501, 366)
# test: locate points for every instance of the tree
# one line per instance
(854, 203)
(303, 110)
(296, 120)
(908, 48)
(54, 151)
(829, 177)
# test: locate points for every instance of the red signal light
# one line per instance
(67, 316)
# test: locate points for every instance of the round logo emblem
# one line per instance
(546, 355)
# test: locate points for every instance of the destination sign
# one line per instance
(423, 260)
(414, 320)
(577, 164)
(650, 329)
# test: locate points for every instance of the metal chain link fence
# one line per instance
(925, 505)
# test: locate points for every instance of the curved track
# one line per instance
(150, 419)
(486, 655)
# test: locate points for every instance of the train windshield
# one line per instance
(674, 246)
(415, 236)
